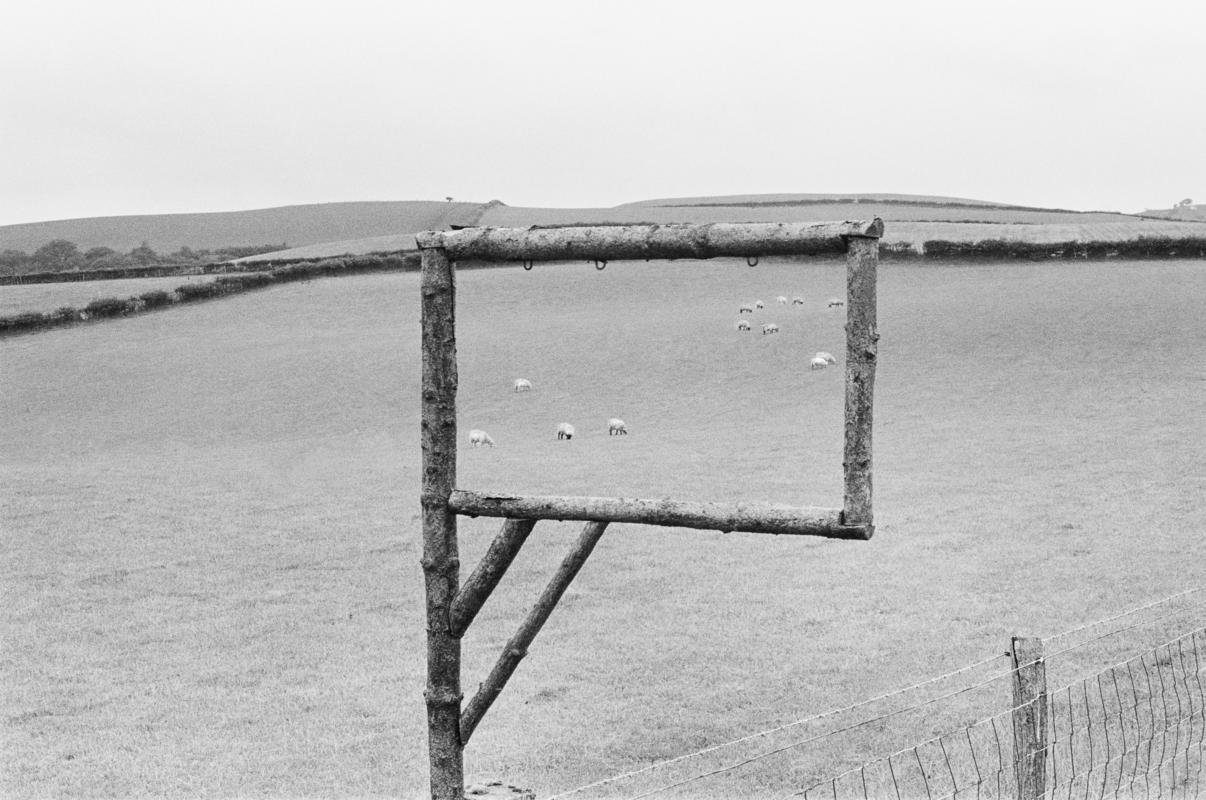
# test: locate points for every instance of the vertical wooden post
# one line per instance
(1029, 718)
(862, 259)
(441, 564)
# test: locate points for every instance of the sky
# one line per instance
(123, 107)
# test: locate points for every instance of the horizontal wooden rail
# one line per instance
(744, 517)
(619, 242)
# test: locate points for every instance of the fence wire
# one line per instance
(1134, 730)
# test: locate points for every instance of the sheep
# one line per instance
(836, 301)
(797, 301)
(770, 327)
(818, 363)
(745, 310)
(478, 438)
(565, 431)
(759, 304)
(828, 357)
(523, 385)
(616, 427)
(781, 300)
(742, 325)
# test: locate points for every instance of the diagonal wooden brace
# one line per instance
(489, 572)
(518, 645)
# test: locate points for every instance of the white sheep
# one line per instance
(828, 357)
(770, 327)
(742, 325)
(565, 431)
(836, 301)
(818, 363)
(523, 385)
(745, 310)
(478, 438)
(797, 301)
(616, 427)
(781, 300)
(759, 304)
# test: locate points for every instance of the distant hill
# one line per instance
(296, 225)
(1187, 213)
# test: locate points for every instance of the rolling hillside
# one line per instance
(296, 225)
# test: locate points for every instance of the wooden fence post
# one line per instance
(441, 563)
(1029, 718)
(862, 259)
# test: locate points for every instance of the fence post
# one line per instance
(862, 260)
(441, 563)
(1029, 717)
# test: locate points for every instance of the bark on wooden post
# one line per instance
(1029, 718)
(862, 259)
(441, 565)
(489, 572)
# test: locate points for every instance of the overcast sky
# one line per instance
(121, 107)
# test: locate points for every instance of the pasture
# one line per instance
(210, 560)
(43, 297)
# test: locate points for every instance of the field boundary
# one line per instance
(225, 285)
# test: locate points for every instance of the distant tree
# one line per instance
(57, 255)
(449, 199)
(13, 262)
(1188, 201)
(144, 255)
(184, 254)
(97, 253)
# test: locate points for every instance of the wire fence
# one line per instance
(1133, 730)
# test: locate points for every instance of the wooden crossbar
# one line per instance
(744, 517)
(619, 242)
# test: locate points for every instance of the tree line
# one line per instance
(61, 255)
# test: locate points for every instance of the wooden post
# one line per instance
(517, 647)
(489, 572)
(1029, 718)
(862, 258)
(441, 565)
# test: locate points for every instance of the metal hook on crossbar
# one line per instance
(527, 264)
(600, 265)
(751, 261)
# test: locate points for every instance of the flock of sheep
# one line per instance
(479, 438)
(616, 426)
(821, 359)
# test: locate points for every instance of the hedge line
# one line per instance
(1008, 249)
(223, 285)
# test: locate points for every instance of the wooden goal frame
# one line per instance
(451, 606)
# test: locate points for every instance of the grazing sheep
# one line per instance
(770, 327)
(745, 310)
(742, 325)
(616, 427)
(836, 301)
(478, 438)
(523, 385)
(828, 357)
(759, 304)
(781, 300)
(565, 431)
(818, 363)
(797, 301)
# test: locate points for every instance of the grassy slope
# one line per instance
(211, 553)
(296, 225)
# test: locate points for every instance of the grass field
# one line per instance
(42, 297)
(210, 555)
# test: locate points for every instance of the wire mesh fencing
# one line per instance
(1133, 730)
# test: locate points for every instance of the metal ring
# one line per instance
(751, 261)
(527, 265)
(600, 265)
